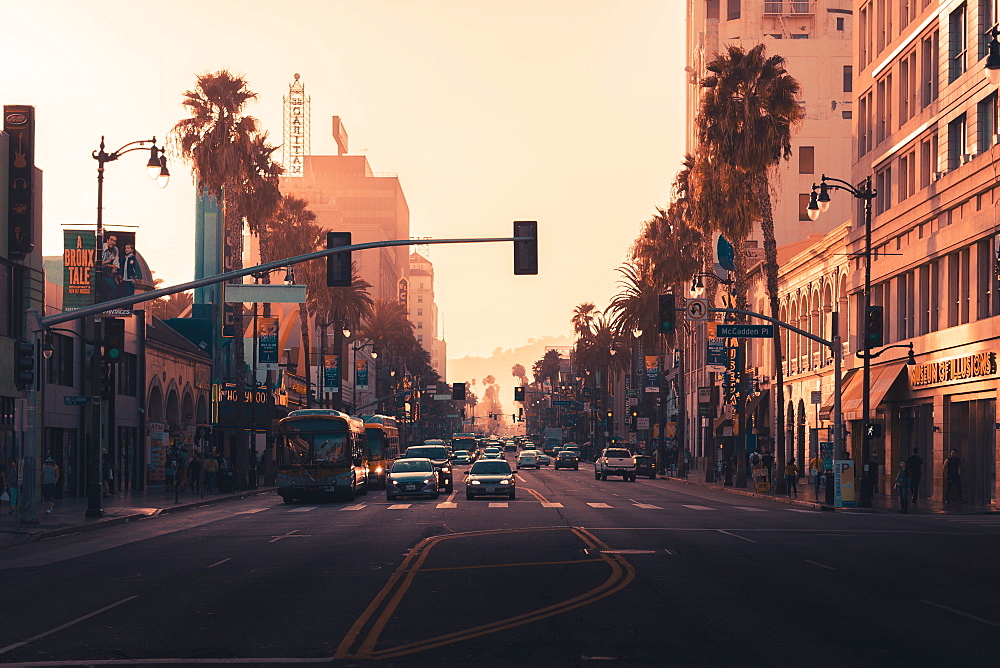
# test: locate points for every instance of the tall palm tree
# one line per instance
(744, 128)
(390, 331)
(583, 317)
(231, 161)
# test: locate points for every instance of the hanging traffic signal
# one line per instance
(25, 366)
(104, 388)
(519, 393)
(667, 314)
(458, 391)
(873, 327)
(338, 265)
(526, 252)
(114, 339)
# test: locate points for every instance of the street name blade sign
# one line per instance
(744, 331)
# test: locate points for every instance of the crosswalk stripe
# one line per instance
(498, 504)
(599, 505)
(305, 509)
(551, 505)
(360, 506)
(447, 504)
(699, 507)
(647, 506)
(399, 506)
(751, 509)
(800, 510)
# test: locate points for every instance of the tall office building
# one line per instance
(424, 312)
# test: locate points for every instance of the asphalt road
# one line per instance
(574, 571)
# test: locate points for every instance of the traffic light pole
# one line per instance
(867, 491)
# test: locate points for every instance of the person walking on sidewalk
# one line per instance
(903, 488)
(50, 476)
(818, 471)
(915, 467)
(767, 459)
(194, 472)
(953, 476)
(791, 478)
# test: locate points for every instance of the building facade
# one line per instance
(423, 312)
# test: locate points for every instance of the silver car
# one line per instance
(407, 477)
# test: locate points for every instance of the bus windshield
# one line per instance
(376, 442)
(317, 447)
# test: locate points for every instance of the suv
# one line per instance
(613, 461)
(439, 457)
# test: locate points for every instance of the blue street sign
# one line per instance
(78, 401)
(561, 402)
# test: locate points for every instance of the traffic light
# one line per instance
(458, 391)
(667, 314)
(526, 252)
(114, 339)
(873, 327)
(25, 364)
(519, 393)
(104, 389)
(338, 266)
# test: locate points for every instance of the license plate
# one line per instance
(411, 487)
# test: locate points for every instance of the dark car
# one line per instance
(645, 465)
(439, 457)
(490, 476)
(567, 459)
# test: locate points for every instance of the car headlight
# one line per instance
(475, 482)
(445, 469)
(428, 481)
(378, 469)
(505, 481)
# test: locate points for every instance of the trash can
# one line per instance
(226, 481)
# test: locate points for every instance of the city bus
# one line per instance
(383, 447)
(465, 441)
(321, 453)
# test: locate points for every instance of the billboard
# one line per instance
(121, 270)
(19, 124)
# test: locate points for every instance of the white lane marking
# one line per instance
(751, 509)
(306, 509)
(698, 507)
(220, 562)
(735, 536)
(500, 504)
(959, 612)
(599, 505)
(4, 650)
(546, 504)
(360, 506)
(291, 534)
(518, 477)
(447, 504)
(816, 563)
(800, 510)
(647, 506)
(250, 512)
(399, 506)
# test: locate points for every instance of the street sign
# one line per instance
(642, 423)
(816, 396)
(697, 309)
(744, 331)
(753, 254)
(78, 401)
(442, 397)
(561, 402)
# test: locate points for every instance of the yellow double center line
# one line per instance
(373, 621)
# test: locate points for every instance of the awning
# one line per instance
(826, 410)
(754, 402)
(852, 393)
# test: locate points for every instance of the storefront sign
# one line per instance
(19, 124)
(977, 365)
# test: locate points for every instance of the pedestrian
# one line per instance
(107, 474)
(767, 459)
(915, 467)
(953, 476)
(903, 488)
(182, 467)
(170, 471)
(211, 472)
(50, 476)
(818, 471)
(791, 478)
(12, 485)
(194, 472)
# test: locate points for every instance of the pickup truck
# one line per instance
(615, 461)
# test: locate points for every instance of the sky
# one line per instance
(568, 112)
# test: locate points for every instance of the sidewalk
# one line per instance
(807, 498)
(69, 515)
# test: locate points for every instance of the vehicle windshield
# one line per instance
(427, 452)
(376, 442)
(461, 453)
(618, 453)
(493, 467)
(411, 466)
(316, 448)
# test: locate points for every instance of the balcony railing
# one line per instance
(789, 7)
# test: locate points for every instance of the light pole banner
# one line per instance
(267, 343)
(715, 359)
(652, 373)
(331, 374)
(361, 374)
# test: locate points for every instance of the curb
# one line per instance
(37, 535)
(768, 497)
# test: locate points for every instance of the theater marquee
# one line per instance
(967, 367)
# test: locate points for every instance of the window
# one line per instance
(928, 159)
(420, 299)
(957, 42)
(883, 104)
(846, 115)
(864, 41)
(953, 289)
(883, 188)
(840, 24)
(905, 13)
(59, 367)
(732, 10)
(799, 35)
(957, 135)
(987, 285)
(807, 155)
(987, 20)
(804, 206)
(420, 311)
(420, 325)
(864, 123)
(907, 175)
(929, 68)
(986, 114)
(848, 78)
(712, 7)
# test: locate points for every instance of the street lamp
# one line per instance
(817, 202)
(374, 356)
(156, 167)
(993, 59)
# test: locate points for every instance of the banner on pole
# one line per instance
(267, 344)
(361, 374)
(652, 373)
(331, 374)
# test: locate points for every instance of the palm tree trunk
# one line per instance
(771, 273)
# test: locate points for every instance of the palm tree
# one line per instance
(231, 161)
(390, 331)
(744, 131)
(583, 317)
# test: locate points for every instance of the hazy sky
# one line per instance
(568, 112)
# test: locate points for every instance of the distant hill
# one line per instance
(499, 364)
